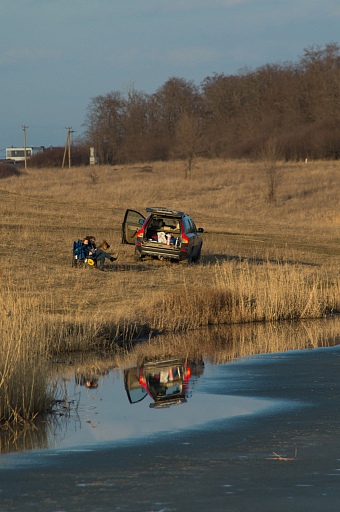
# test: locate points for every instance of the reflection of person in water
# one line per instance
(89, 382)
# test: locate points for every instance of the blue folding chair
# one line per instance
(79, 258)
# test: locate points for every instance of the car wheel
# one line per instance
(138, 256)
(198, 256)
(190, 259)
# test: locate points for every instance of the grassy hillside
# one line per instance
(43, 211)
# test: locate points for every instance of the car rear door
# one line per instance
(132, 222)
(190, 232)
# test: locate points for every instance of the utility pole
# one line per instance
(24, 127)
(68, 146)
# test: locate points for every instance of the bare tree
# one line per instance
(176, 96)
(104, 126)
(228, 116)
(188, 139)
(271, 155)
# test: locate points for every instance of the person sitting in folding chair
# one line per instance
(98, 255)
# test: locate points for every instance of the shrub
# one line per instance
(9, 170)
(53, 157)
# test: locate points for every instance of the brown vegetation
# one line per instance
(225, 116)
(261, 261)
(23, 351)
(54, 157)
(8, 170)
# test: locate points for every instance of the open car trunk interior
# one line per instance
(164, 230)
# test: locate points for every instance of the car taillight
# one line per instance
(187, 374)
(139, 237)
(184, 243)
(184, 238)
(142, 382)
(141, 232)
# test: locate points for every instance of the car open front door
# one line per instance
(133, 221)
(135, 392)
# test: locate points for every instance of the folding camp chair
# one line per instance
(79, 258)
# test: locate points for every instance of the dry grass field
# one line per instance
(261, 260)
(43, 211)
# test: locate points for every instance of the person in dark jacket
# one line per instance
(98, 255)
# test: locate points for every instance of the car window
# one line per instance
(134, 217)
(194, 229)
(156, 223)
(187, 225)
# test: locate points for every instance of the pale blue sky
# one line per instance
(55, 55)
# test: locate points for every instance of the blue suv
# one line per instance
(164, 234)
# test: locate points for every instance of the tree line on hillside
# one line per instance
(291, 108)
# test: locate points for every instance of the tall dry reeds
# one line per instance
(23, 385)
(242, 293)
(28, 340)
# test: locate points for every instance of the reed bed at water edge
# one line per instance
(23, 389)
(243, 293)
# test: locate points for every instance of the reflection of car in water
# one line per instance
(167, 382)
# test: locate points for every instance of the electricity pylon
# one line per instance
(24, 127)
(68, 146)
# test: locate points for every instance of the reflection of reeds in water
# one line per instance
(240, 341)
(218, 344)
(23, 436)
(42, 432)
(222, 344)
(46, 430)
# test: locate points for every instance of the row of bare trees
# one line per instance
(295, 104)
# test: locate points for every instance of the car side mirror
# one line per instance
(200, 230)
(141, 221)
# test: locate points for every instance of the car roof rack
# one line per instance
(160, 209)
